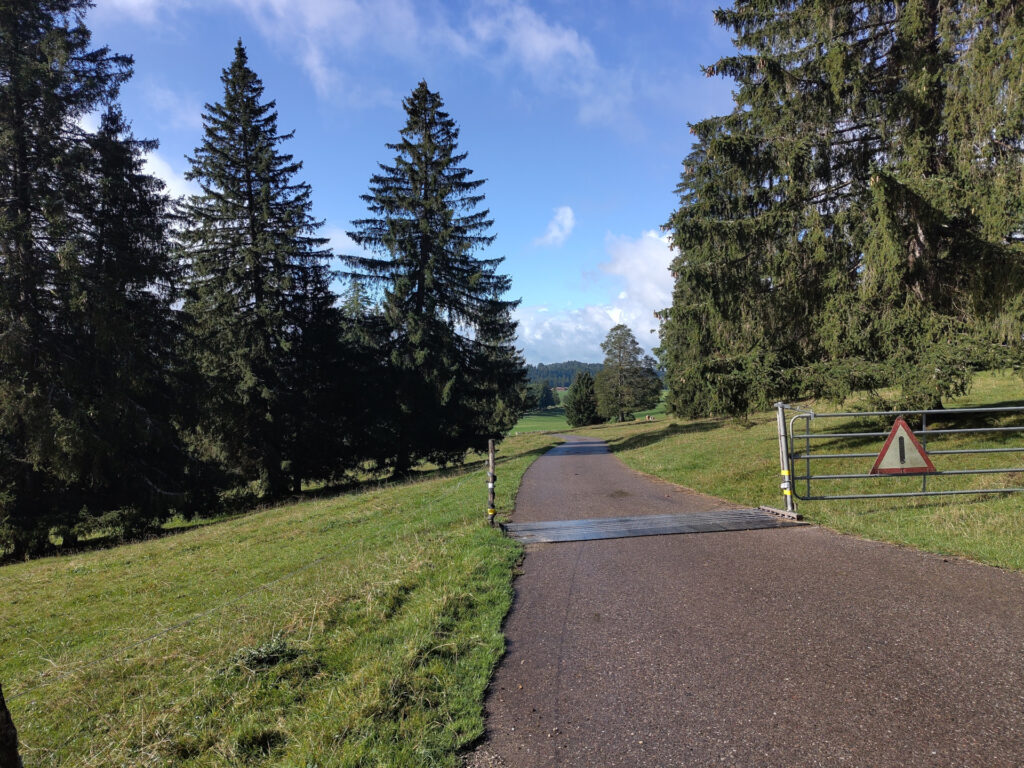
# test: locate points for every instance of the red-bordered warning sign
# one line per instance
(902, 454)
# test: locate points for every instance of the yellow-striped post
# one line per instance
(491, 479)
(787, 476)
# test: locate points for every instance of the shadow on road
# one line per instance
(583, 448)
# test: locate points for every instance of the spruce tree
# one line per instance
(541, 396)
(322, 388)
(840, 228)
(455, 375)
(85, 317)
(628, 381)
(580, 402)
(262, 323)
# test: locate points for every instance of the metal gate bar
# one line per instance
(930, 453)
(836, 435)
(789, 454)
(943, 473)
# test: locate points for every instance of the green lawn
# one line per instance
(553, 419)
(358, 630)
(739, 461)
(656, 411)
(548, 420)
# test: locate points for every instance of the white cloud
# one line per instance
(559, 228)
(557, 58)
(315, 30)
(330, 82)
(529, 40)
(176, 183)
(340, 242)
(179, 110)
(641, 265)
(312, 30)
(145, 11)
(551, 337)
(506, 35)
(325, 77)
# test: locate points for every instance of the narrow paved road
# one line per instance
(782, 647)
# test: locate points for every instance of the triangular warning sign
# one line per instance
(902, 454)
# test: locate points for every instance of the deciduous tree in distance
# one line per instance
(629, 381)
(541, 395)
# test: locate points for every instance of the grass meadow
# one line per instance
(553, 419)
(547, 420)
(359, 630)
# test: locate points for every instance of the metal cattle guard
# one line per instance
(821, 445)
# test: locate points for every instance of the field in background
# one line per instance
(356, 630)
(553, 419)
(548, 420)
(739, 461)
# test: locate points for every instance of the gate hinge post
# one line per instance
(784, 464)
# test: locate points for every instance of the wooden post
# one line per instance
(8, 737)
(491, 479)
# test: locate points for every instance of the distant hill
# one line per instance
(560, 374)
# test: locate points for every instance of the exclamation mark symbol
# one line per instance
(903, 452)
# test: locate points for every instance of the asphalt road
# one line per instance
(780, 647)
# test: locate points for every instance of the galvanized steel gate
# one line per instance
(961, 441)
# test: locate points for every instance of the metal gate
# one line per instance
(828, 455)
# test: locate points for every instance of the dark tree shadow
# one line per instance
(477, 462)
(647, 438)
(242, 504)
(583, 448)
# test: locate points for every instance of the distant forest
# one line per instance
(560, 374)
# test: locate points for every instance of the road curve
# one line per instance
(781, 647)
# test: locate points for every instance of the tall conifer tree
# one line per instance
(124, 326)
(580, 402)
(262, 320)
(839, 229)
(84, 288)
(454, 371)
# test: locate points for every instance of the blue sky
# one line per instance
(575, 112)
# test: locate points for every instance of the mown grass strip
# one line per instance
(553, 419)
(548, 420)
(359, 630)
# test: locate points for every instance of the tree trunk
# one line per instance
(403, 465)
(8, 737)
